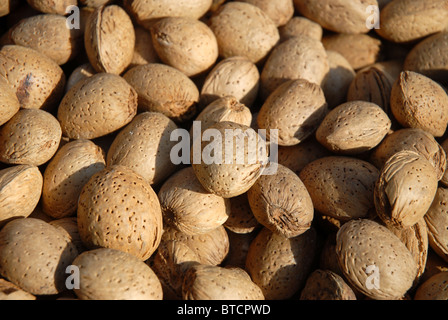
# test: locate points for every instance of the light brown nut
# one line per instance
(374, 260)
(299, 57)
(326, 285)
(171, 260)
(232, 163)
(118, 209)
(410, 20)
(9, 291)
(144, 145)
(69, 227)
(341, 187)
(52, 6)
(108, 274)
(205, 282)
(37, 80)
(295, 109)
(97, 106)
(48, 34)
(426, 58)
(281, 203)
(31, 136)
(109, 39)
(144, 51)
(278, 265)
(234, 76)
(434, 265)
(340, 16)
(227, 108)
(66, 173)
(6, 7)
(353, 127)
(337, 81)
(164, 89)
(298, 156)
(279, 11)
(416, 240)
(81, 72)
(9, 104)
(413, 140)
(374, 83)
(94, 3)
(189, 207)
(186, 44)
(241, 219)
(34, 256)
(444, 179)
(437, 221)
(360, 50)
(299, 25)
(210, 248)
(230, 24)
(405, 189)
(435, 288)
(419, 102)
(146, 12)
(239, 246)
(20, 191)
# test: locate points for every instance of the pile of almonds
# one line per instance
(96, 94)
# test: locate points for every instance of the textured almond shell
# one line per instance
(20, 191)
(9, 103)
(361, 243)
(410, 20)
(413, 140)
(326, 285)
(144, 51)
(405, 189)
(37, 80)
(435, 288)
(353, 127)
(299, 57)
(437, 221)
(419, 102)
(235, 177)
(144, 145)
(125, 276)
(34, 256)
(427, 57)
(239, 246)
(295, 109)
(341, 187)
(360, 50)
(186, 44)
(164, 89)
(205, 282)
(79, 73)
(241, 219)
(48, 34)
(9, 291)
(280, 266)
(52, 6)
(31, 136)
(69, 226)
(118, 209)
(109, 39)
(189, 207)
(211, 247)
(234, 76)
(65, 175)
(299, 25)
(280, 11)
(230, 24)
(341, 16)
(97, 106)
(282, 203)
(338, 79)
(146, 12)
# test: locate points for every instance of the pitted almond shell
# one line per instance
(437, 221)
(374, 260)
(435, 288)
(405, 189)
(326, 285)
(299, 25)
(279, 11)
(241, 219)
(52, 6)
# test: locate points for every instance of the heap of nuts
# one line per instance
(119, 180)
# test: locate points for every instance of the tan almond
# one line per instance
(144, 51)
(299, 25)
(52, 6)
(9, 103)
(326, 285)
(435, 288)
(437, 222)
(9, 291)
(69, 227)
(279, 11)
(241, 219)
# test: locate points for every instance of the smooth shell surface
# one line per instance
(374, 260)
(127, 277)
